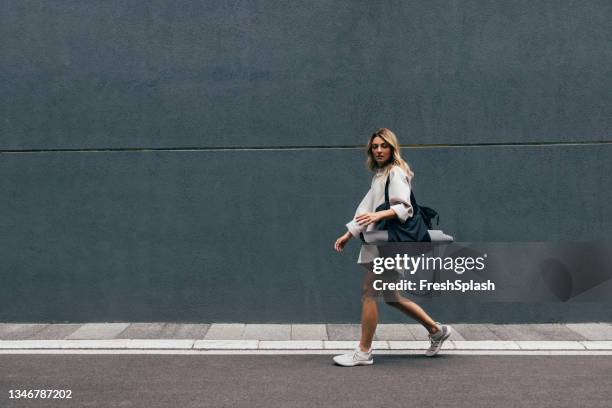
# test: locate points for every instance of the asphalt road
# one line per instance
(310, 380)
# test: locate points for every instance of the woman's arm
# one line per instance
(366, 204)
(399, 201)
(399, 194)
(373, 217)
(363, 221)
(354, 228)
(342, 240)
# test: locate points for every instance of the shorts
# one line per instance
(369, 251)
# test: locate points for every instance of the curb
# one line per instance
(390, 345)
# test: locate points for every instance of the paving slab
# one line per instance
(225, 331)
(308, 332)
(455, 334)
(57, 331)
(165, 331)
(571, 332)
(414, 345)
(550, 345)
(267, 332)
(184, 331)
(346, 332)
(418, 331)
(98, 331)
(592, 331)
(142, 331)
(475, 332)
(291, 345)
(20, 331)
(394, 332)
(534, 332)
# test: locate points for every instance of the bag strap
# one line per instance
(413, 202)
(428, 213)
(387, 192)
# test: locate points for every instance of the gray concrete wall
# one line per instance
(134, 186)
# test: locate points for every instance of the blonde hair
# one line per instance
(395, 159)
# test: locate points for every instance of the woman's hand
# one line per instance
(341, 242)
(368, 218)
(374, 217)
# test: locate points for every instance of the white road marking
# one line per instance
(139, 346)
(308, 352)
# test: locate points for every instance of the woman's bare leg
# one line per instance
(415, 311)
(407, 306)
(369, 311)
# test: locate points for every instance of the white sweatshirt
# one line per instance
(399, 199)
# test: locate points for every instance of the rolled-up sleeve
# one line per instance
(354, 228)
(399, 194)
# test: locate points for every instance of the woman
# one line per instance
(385, 161)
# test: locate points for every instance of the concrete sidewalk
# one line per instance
(239, 336)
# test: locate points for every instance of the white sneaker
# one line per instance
(437, 339)
(355, 357)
